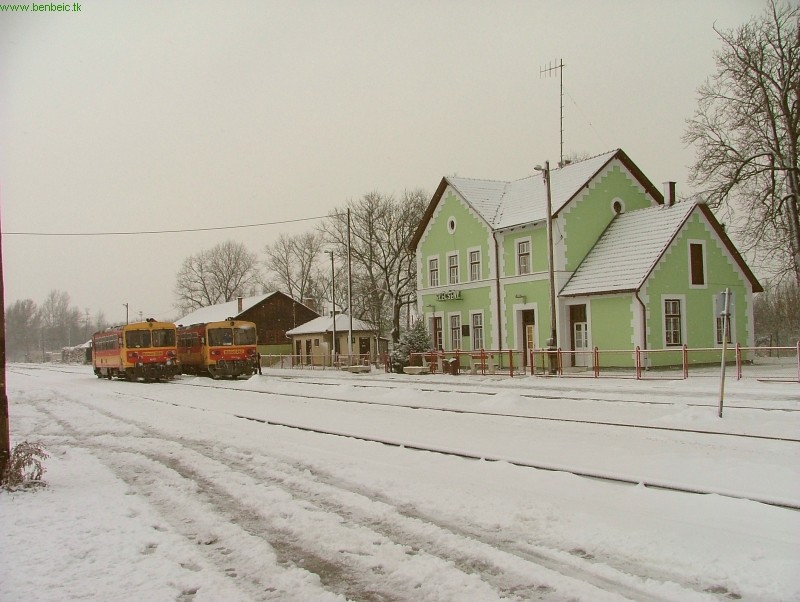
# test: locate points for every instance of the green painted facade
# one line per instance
(589, 216)
(508, 298)
(672, 279)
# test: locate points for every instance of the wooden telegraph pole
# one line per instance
(5, 426)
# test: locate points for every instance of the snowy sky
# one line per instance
(189, 114)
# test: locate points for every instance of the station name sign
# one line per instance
(449, 296)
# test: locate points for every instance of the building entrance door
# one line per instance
(579, 336)
(363, 347)
(528, 319)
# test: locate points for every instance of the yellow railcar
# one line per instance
(220, 349)
(143, 350)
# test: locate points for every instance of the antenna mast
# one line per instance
(547, 72)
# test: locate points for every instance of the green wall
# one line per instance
(672, 277)
(591, 214)
(470, 232)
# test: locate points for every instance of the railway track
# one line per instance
(552, 392)
(607, 476)
(305, 395)
(228, 527)
(657, 483)
(510, 567)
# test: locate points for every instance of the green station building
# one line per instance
(631, 267)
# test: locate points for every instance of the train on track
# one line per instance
(140, 351)
(219, 349)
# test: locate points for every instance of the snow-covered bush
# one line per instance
(414, 340)
(25, 468)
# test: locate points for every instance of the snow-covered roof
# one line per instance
(222, 311)
(507, 204)
(628, 250)
(325, 324)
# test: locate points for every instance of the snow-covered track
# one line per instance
(411, 406)
(235, 527)
(543, 391)
(615, 477)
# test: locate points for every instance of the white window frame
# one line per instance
(450, 267)
(517, 243)
(455, 339)
(473, 330)
(470, 251)
(431, 283)
(702, 244)
(681, 299)
(432, 322)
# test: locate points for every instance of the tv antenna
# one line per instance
(548, 72)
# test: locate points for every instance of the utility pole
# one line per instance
(552, 342)
(333, 310)
(5, 425)
(546, 72)
(349, 292)
(550, 267)
(127, 321)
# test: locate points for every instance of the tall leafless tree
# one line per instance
(383, 265)
(746, 130)
(216, 275)
(60, 322)
(22, 329)
(295, 264)
(776, 314)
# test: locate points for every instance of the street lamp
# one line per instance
(550, 269)
(333, 309)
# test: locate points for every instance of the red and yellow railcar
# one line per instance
(143, 350)
(226, 348)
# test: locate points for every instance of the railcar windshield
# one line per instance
(159, 337)
(137, 338)
(220, 337)
(163, 337)
(244, 336)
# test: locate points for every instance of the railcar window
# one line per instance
(137, 338)
(106, 343)
(218, 337)
(163, 337)
(189, 340)
(244, 336)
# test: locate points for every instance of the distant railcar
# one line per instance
(143, 350)
(220, 349)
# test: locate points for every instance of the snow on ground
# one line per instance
(164, 491)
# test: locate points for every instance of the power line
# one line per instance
(588, 121)
(136, 233)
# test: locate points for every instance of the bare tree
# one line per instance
(60, 322)
(294, 263)
(746, 131)
(384, 267)
(776, 313)
(216, 275)
(22, 329)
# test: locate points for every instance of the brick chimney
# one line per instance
(239, 304)
(669, 194)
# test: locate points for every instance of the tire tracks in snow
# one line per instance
(512, 570)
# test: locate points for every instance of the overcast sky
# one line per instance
(137, 116)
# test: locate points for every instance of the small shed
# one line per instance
(273, 314)
(312, 341)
